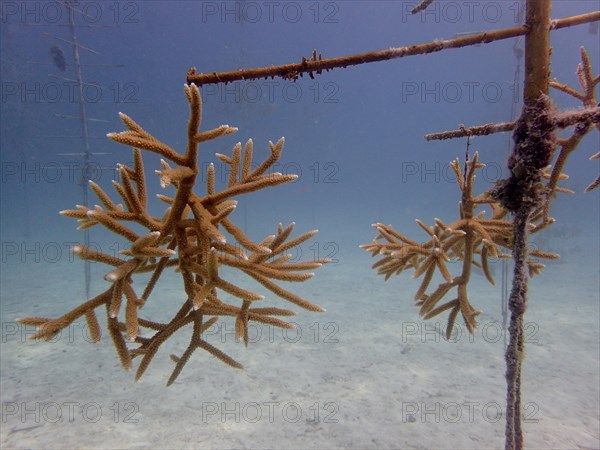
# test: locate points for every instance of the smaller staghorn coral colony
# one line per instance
(471, 239)
(193, 237)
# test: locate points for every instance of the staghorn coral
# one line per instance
(587, 97)
(471, 239)
(192, 237)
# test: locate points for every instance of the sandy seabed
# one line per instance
(368, 373)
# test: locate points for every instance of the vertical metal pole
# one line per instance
(85, 135)
(532, 151)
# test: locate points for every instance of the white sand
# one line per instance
(365, 374)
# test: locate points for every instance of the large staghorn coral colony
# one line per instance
(192, 238)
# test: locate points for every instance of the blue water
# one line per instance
(354, 137)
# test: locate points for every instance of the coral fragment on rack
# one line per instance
(472, 239)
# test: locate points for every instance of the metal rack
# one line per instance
(82, 141)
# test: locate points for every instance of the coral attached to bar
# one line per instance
(193, 237)
(471, 239)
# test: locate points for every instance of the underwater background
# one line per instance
(367, 373)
